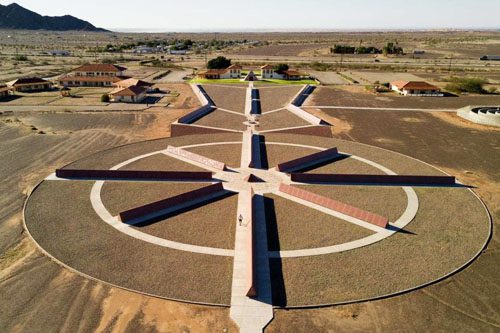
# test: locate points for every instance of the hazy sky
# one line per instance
(239, 15)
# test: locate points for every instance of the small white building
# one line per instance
(268, 72)
(416, 88)
(232, 72)
(132, 94)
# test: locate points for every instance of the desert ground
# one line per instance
(41, 132)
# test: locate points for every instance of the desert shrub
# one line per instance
(466, 85)
(321, 67)
(492, 90)
(21, 57)
(392, 48)
(105, 98)
(347, 49)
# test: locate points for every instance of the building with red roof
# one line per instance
(94, 75)
(132, 94)
(30, 84)
(415, 88)
(268, 72)
(232, 72)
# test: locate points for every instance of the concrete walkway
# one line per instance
(246, 149)
(313, 120)
(248, 100)
(250, 314)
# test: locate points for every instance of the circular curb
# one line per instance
(296, 307)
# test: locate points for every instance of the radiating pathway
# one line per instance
(250, 314)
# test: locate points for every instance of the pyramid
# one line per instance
(251, 178)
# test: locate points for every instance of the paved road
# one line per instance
(175, 76)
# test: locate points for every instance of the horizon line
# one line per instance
(294, 30)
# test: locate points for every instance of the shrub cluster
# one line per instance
(466, 85)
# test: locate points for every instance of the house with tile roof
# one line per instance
(415, 88)
(94, 75)
(268, 72)
(232, 72)
(132, 94)
(30, 84)
(132, 82)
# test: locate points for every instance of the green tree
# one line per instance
(219, 63)
(281, 68)
(105, 98)
(392, 48)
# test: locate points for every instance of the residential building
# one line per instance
(132, 82)
(94, 75)
(29, 84)
(415, 88)
(268, 72)
(132, 94)
(232, 72)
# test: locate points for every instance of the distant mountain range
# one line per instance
(14, 16)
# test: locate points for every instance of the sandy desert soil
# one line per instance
(291, 226)
(277, 98)
(229, 98)
(280, 119)
(468, 300)
(223, 119)
(358, 96)
(58, 300)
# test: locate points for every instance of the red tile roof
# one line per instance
(112, 79)
(414, 85)
(292, 72)
(267, 67)
(132, 82)
(130, 91)
(28, 80)
(106, 68)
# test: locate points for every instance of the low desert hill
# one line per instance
(14, 16)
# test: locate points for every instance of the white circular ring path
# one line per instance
(408, 215)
